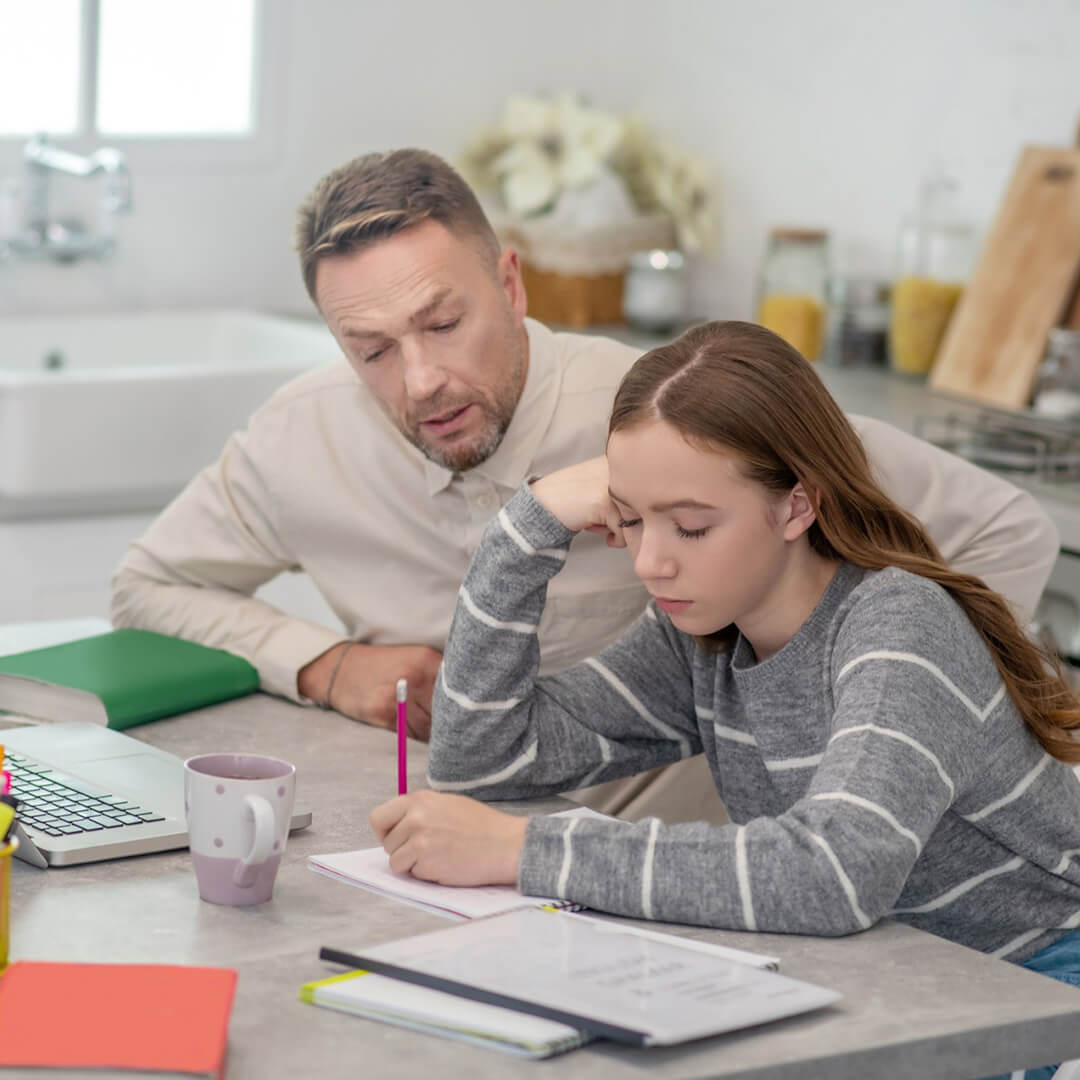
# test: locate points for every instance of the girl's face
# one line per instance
(710, 545)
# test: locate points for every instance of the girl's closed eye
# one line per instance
(629, 523)
(691, 534)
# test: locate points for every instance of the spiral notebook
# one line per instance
(369, 868)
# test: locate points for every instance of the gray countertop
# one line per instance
(913, 1005)
(909, 403)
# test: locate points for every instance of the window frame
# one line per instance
(174, 153)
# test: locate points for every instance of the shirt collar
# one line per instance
(509, 465)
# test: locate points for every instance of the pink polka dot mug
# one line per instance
(238, 810)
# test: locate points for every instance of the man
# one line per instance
(376, 476)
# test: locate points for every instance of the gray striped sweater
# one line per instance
(873, 767)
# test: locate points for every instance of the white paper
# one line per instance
(370, 869)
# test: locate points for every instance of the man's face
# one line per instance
(436, 334)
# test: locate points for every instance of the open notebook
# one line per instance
(369, 868)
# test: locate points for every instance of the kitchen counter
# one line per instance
(909, 403)
(912, 1005)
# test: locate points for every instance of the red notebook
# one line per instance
(120, 1016)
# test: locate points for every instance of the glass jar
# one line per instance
(654, 291)
(791, 287)
(857, 327)
(934, 258)
(1057, 384)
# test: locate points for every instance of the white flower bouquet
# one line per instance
(578, 190)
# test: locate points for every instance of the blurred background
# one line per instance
(827, 114)
(845, 171)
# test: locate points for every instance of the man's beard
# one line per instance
(469, 455)
(498, 412)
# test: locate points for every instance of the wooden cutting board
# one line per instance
(1073, 319)
(1021, 287)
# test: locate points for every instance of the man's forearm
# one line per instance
(278, 645)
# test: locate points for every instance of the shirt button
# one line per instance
(484, 502)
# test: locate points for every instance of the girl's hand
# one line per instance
(450, 839)
(578, 497)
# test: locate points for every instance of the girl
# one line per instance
(886, 738)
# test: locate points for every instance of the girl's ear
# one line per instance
(800, 513)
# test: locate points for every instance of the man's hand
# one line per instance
(450, 839)
(364, 688)
(578, 497)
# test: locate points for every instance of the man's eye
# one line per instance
(445, 327)
(374, 355)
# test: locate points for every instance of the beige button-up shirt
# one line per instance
(321, 481)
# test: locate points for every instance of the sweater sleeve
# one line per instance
(835, 862)
(499, 730)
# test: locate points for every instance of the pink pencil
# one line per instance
(402, 731)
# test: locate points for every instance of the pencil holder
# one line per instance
(6, 852)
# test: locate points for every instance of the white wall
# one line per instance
(817, 114)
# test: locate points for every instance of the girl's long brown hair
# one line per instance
(737, 386)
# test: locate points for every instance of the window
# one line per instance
(139, 69)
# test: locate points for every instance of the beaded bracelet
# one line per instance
(325, 704)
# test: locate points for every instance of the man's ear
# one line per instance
(508, 270)
(800, 513)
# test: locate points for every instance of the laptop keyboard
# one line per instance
(59, 805)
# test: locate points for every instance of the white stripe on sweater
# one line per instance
(786, 764)
(845, 881)
(605, 760)
(734, 735)
(919, 661)
(742, 877)
(515, 766)
(628, 696)
(511, 530)
(1071, 923)
(567, 860)
(646, 871)
(964, 887)
(874, 808)
(489, 620)
(1013, 795)
(902, 737)
(1065, 860)
(1019, 942)
(469, 705)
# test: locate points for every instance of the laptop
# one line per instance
(88, 793)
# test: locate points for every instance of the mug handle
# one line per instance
(246, 871)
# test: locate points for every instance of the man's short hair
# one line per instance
(380, 194)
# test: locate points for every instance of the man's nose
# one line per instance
(423, 376)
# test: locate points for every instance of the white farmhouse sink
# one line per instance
(105, 413)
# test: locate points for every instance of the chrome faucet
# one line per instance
(67, 240)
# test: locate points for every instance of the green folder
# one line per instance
(120, 679)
